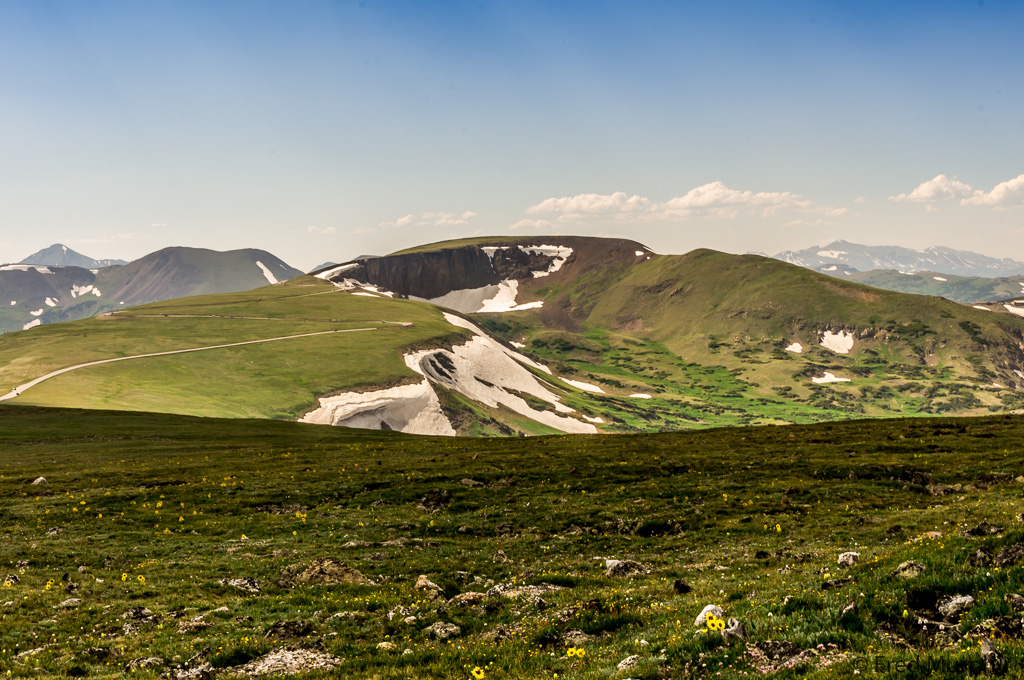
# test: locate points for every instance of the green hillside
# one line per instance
(164, 544)
(965, 289)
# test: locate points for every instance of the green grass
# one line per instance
(747, 516)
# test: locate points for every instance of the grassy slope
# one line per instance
(277, 379)
(708, 329)
(750, 518)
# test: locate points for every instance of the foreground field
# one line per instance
(196, 548)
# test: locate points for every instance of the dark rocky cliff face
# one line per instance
(437, 272)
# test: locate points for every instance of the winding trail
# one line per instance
(17, 391)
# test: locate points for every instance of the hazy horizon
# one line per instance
(325, 130)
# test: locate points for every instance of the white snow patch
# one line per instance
(25, 268)
(579, 384)
(795, 347)
(266, 272)
(13, 302)
(490, 250)
(50, 302)
(494, 298)
(639, 253)
(832, 254)
(31, 324)
(379, 291)
(829, 269)
(77, 290)
(640, 396)
(908, 273)
(997, 385)
(1019, 311)
(414, 409)
(365, 294)
(939, 278)
(1019, 374)
(486, 372)
(36, 312)
(982, 308)
(828, 378)
(599, 421)
(559, 254)
(517, 345)
(462, 323)
(121, 302)
(328, 273)
(840, 343)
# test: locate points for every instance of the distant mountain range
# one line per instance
(40, 291)
(60, 255)
(864, 258)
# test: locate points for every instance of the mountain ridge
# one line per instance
(60, 255)
(937, 259)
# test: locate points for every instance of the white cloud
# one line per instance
(714, 199)
(430, 219)
(530, 224)
(319, 230)
(1010, 192)
(941, 187)
(938, 188)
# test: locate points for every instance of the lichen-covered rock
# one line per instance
(288, 662)
(848, 559)
(702, 618)
(952, 608)
(909, 569)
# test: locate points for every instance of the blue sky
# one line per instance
(324, 130)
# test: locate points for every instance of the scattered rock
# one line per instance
(356, 544)
(326, 571)
(436, 500)
(531, 593)
(143, 663)
(53, 531)
(995, 662)
(943, 489)
(11, 580)
(443, 631)
(69, 603)
(203, 671)
(498, 634)
(22, 564)
(1009, 556)
(834, 583)
(248, 584)
(576, 638)
(500, 557)
(471, 483)
(467, 600)
(40, 480)
(398, 612)
(952, 608)
(681, 586)
(387, 646)
(289, 661)
(194, 625)
(980, 558)
(430, 589)
(137, 614)
(1001, 626)
(349, 616)
(283, 630)
(629, 662)
(702, 618)
(1015, 601)
(909, 569)
(848, 559)
(735, 630)
(985, 529)
(625, 568)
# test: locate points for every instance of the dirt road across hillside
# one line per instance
(19, 390)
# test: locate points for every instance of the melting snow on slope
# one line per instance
(1019, 311)
(31, 324)
(365, 294)
(77, 290)
(50, 302)
(559, 254)
(939, 278)
(832, 254)
(328, 273)
(638, 253)
(266, 272)
(795, 347)
(13, 302)
(36, 312)
(521, 358)
(640, 396)
(986, 309)
(828, 378)
(586, 387)
(517, 345)
(495, 298)
(599, 421)
(414, 409)
(840, 343)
